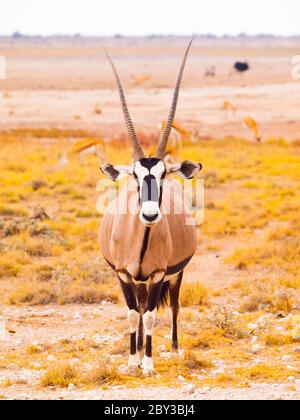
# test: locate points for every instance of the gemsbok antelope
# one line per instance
(149, 249)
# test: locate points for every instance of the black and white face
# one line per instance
(149, 174)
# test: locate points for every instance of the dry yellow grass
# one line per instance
(36, 293)
(60, 376)
(63, 374)
(103, 374)
(50, 255)
(272, 339)
(264, 372)
(194, 362)
(194, 294)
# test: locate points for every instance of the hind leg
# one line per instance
(174, 288)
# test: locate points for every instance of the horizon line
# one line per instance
(19, 34)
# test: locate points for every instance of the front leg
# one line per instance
(155, 288)
(133, 320)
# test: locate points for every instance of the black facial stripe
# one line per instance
(161, 187)
(149, 189)
(138, 184)
(160, 195)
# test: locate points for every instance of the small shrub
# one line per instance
(263, 372)
(279, 340)
(81, 294)
(37, 184)
(12, 211)
(38, 248)
(193, 294)
(44, 273)
(226, 378)
(103, 374)
(256, 302)
(33, 294)
(8, 268)
(31, 350)
(38, 293)
(60, 376)
(8, 383)
(203, 341)
(194, 362)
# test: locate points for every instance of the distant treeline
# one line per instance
(19, 35)
(202, 40)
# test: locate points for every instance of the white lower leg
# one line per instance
(149, 321)
(133, 320)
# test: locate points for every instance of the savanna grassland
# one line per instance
(66, 333)
(240, 323)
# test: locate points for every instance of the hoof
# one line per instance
(148, 372)
(133, 370)
(175, 354)
(134, 365)
(148, 367)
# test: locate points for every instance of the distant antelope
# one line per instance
(83, 148)
(148, 250)
(253, 126)
(228, 107)
(186, 136)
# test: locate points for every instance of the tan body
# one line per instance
(171, 242)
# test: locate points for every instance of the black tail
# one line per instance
(164, 295)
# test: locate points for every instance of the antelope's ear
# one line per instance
(186, 169)
(115, 173)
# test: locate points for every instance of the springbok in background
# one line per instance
(150, 249)
(83, 148)
(186, 137)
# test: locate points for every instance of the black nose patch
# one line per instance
(149, 189)
(150, 218)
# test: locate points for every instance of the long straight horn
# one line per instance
(161, 151)
(137, 149)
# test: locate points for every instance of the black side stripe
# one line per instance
(178, 267)
(110, 264)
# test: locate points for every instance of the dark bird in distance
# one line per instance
(241, 67)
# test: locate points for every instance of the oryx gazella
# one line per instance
(149, 249)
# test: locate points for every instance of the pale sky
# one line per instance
(144, 17)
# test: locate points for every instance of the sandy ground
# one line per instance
(50, 324)
(275, 107)
(63, 86)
